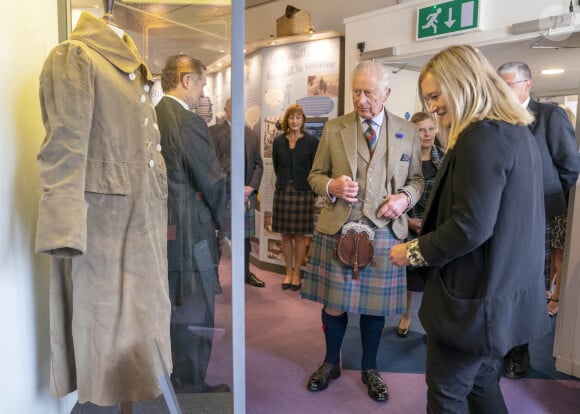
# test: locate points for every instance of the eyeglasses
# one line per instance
(512, 84)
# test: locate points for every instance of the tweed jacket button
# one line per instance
(151, 163)
(132, 76)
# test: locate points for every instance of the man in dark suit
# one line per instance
(254, 168)
(560, 166)
(196, 202)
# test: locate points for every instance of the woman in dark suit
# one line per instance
(293, 211)
(482, 239)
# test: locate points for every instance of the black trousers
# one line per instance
(461, 383)
(191, 332)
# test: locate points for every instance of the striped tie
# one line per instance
(371, 136)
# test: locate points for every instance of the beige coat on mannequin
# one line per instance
(103, 218)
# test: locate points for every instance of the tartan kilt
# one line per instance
(293, 211)
(249, 218)
(379, 291)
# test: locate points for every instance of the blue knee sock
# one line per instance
(371, 329)
(334, 330)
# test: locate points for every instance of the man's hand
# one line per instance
(398, 255)
(344, 188)
(248, 190)
(394, 206)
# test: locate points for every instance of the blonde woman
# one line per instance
(482, 239)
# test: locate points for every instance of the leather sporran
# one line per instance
(356, 247)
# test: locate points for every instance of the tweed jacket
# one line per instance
(485, 288)
(337, 155)
(254, 166)
(103, 218)
(559, 151)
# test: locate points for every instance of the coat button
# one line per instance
(146, 88)
(158, 147)
(155, 126)
(143, 98)
(132, 76)
(146, 121)
(151, 163)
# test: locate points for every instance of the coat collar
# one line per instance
(120, 52)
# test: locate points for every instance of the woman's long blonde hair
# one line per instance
(472, 90)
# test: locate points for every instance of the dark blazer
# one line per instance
(560, 158)
(483, 238)
(300, 160)
(196, 182)
(254, 167)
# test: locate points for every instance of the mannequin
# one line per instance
(103, 218)
(110, 18)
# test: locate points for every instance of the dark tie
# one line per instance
(371, 136)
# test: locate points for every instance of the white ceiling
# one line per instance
(163, 29)
(538, 53)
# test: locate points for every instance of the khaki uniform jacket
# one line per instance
(103, 218)
(337, 155)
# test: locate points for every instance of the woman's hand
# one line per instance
(398, 255)
(415, 224)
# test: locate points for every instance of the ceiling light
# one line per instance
(552, 71)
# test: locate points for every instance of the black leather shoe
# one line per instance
(517, 363)
(216, 388)
(296, 287)
(377, 388)
(286, 286)
(252, 279)
(322, 376)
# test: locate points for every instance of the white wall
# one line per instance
(395, 27)
(26, 36)
(261, 20)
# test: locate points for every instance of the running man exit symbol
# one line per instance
(448, 18)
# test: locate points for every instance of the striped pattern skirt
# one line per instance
(293, 211)
(379, 290)
(249, 218)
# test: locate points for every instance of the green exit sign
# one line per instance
(448, 18)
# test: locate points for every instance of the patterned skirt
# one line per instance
(558, 238)
(249, 218)
(379, 290)
(293, 211)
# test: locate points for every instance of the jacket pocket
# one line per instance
(458, 323)
(107, 177)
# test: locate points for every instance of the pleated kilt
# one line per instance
(380, 290)
(249, 218)
(293, 211)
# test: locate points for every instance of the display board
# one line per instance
(308, 73)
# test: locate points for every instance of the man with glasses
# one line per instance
(560, 166)
(368, 169)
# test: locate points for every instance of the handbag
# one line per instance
(356, 247)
